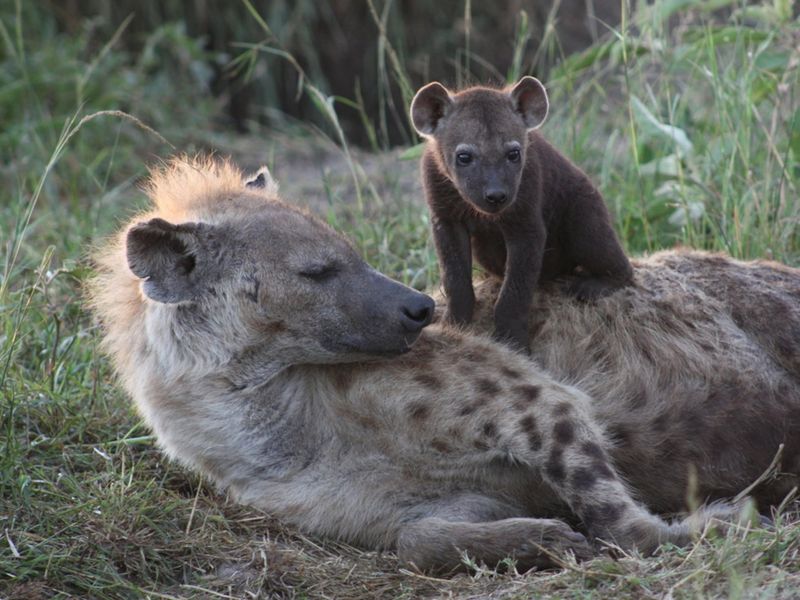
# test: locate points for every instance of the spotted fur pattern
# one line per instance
(459, 443)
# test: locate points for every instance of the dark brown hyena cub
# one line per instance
(496, 188)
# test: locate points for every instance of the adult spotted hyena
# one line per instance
(267, 355)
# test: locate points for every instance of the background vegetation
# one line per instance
(685, 113)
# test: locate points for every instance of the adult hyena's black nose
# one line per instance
(417, 312)
(495, 196)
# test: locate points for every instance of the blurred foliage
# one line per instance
(343, 47)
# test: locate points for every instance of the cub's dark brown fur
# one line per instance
(498, 190)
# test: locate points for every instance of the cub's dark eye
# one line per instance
(513, 156)
(463, 158)
(319, 271)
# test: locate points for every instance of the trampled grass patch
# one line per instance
(688, 121)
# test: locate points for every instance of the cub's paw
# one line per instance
(589, 289)
(516, 339)
(459, 315)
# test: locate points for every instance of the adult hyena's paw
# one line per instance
(434, 545)
(546, 543)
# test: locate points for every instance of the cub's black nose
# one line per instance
(417, 313)
(495, 197)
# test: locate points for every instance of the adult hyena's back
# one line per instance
(694, 370)
(763, 299)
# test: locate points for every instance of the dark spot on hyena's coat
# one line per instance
(786, 345)
(600, 465)
(602, 470)
(583, 478)
(454, 433)
(528, 425)
(706, 347)
(661, 423)
(418, 411)
(564, 432)
(622, 435)
(466, 368)
(468, 409)
(480, 445)
(366, 422)
(490, 429)
(272, 327)
(429, 381)
(638, 400)
(423, 350)
(601, 516)
(528, 393)
(593, 450)
(511, 373)
(561, 409)
(472, 355)
(440, 446)
(342, 378)
(487, 386)
(554, 468)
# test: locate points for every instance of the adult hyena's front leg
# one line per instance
(561, 440)
(436, 545)
(488, 531)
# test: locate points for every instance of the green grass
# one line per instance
(692, 133)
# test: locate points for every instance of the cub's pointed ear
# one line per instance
(263, 180)
(166, 256)
(530, 101)
(429, 105)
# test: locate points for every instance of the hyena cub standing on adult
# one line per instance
(498, 189)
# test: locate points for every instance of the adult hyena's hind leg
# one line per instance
(475, 526)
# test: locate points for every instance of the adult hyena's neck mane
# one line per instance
(135, 327)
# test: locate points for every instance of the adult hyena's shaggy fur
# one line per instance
(256, 344)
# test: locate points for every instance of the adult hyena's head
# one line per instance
(481, 136)
(222, 267)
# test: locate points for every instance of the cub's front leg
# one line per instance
(525, 251)
(455, 260)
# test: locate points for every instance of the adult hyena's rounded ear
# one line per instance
(530, 101)
(263, 180)
(166, 257)
(430, 104)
